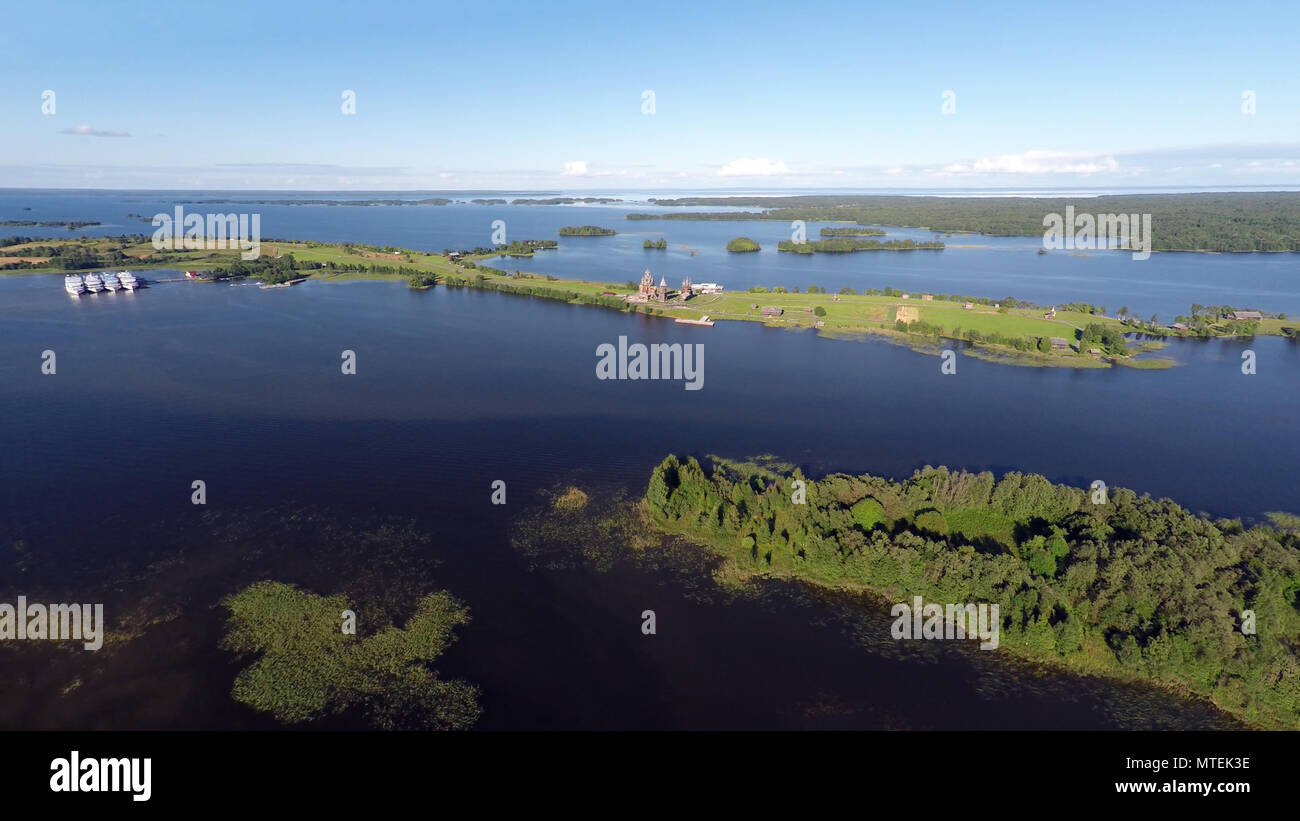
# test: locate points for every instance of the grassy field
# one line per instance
(844, 315)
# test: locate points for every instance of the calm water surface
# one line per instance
(242, 388)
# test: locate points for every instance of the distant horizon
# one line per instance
(680, 192)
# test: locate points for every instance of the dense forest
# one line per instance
(586, 231)
(566, 201)
(849, 246)
(271, 270)
(1180, 222)
(856, 231)
(1131, 587)
(71, 225)
(741, 245)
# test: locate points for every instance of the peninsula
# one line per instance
(1004, 330)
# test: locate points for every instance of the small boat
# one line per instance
(94, 284)
(128, 280)
(191, 274)
(73, 285)
(704, 320)
(110, 282)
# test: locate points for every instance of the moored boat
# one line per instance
(73, 285)
(93, 283)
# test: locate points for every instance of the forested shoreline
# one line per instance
(1223, 222)
(1132, 588)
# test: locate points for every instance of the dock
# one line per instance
(704, 320)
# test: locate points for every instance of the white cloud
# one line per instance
(87, 131)
(577, 168)
(756, 167)
(1036, 162)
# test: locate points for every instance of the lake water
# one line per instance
(242, 389)
(1166, 284)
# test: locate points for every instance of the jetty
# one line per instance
(284, 284)
(704, 320)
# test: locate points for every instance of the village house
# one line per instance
(1051, 313)
(969, 305)
(772, 310)
(927, 297)
(1247, 315)
(1059, 344)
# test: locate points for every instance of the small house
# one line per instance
(1094, 351)
(1179, 326)
(1247, 315)
(969, 305)
(772, 310)
(907, 296)
(927, 297)
(1059, 344)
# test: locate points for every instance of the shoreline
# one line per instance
(983, 329)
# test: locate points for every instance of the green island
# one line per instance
(849, 246)
(586, 231)
(71, 225)
(743, 245)
(660, 244)
(527, 247)
(566, 201)
(856, 231)
(1127, 587)
(1210, 222)
(307, 667)
(424, 201)
(1077, 335)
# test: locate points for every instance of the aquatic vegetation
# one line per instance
(308, 666)
(572, 527)
(571, 499)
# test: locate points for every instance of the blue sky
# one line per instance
(490, 95)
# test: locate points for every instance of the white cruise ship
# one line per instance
(94, 284)
(110, 282)
(73, 285)
(128, 280)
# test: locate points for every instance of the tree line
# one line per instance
(1127, 585)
